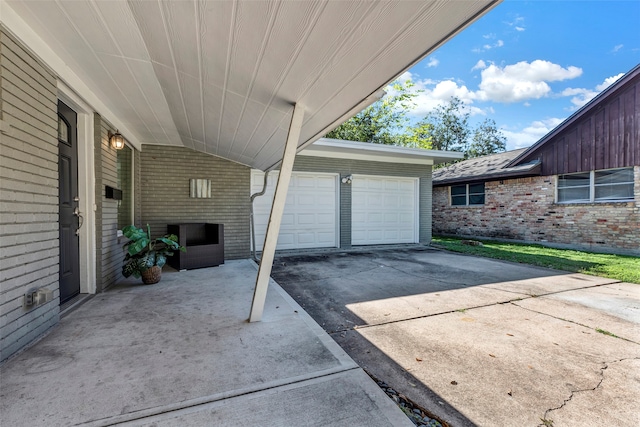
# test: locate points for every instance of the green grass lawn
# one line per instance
(623, 268)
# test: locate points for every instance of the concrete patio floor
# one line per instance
(181, 352)
(479, 342)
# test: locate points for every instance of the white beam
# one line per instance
(275, 218)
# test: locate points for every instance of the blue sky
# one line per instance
(528, 65)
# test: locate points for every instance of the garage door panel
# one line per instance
(306, 219)
(305, 182)
(391, 185)
(406, 201)
(391, 218)
(383, 210)
(305, 200)
(306, 238)
(325, 219)
(406, 186)
(374, 218)
(328, 182)
(325, 202)
(391, 235)
(310, 213)
(406, 234)
(406, 220)
(374, 200)
(287, 219)
(391, 201)
(286, 239)
(326, 238)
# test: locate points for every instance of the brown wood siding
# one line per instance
(605, 136)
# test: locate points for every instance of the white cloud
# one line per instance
(480, 65)
(517, 23)
(530, 134)
(431, 93)
(522, 81)
(581, 96)
(485, 47)
(616, 48)
(433, 62)
(608, 82)
(489, 36)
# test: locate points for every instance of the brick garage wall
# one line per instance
(349, 167)
(29, 250)
(525, 209)
(164, 193)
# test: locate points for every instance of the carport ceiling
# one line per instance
(221, 76)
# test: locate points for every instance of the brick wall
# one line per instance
(525, 209)
(28, 194)
(164, 194)
(348, 167)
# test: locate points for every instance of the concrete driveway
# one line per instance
(476, 341)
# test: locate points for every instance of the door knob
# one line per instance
(77, 213)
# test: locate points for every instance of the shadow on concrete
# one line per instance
(347, 290)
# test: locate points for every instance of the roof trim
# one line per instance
(340, 149)
(577, 115)
(532, 170)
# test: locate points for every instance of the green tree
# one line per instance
(487, 139)
(418, 136)
(383, 122)
(448, 126)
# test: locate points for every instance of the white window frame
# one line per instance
(592, 188)
(467, 195)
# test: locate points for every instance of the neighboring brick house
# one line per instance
(577, 187)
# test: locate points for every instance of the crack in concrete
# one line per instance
(571, 321)
(547, 422)
(461, 310)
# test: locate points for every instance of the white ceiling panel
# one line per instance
(222, 76)
(123, 29)
(93, 29)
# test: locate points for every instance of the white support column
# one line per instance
(277, 209)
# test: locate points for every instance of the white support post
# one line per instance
(277, 209)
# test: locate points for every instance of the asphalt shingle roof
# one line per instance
(483, 168)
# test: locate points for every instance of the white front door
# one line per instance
(384, 210)
(310, 218)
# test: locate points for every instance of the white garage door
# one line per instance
(310, 214)
(384, 210)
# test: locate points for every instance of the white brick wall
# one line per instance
(28, 194)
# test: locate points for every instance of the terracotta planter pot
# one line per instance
(151, 275)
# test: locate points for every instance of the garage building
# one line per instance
(346, 193)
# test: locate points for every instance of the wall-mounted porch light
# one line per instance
(116, 140)
(347, 179)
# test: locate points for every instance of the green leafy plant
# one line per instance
(143, 252)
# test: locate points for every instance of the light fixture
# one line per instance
(116, 140)
(347, 179)
(200, 188)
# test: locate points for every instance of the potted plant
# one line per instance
(146, 256)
